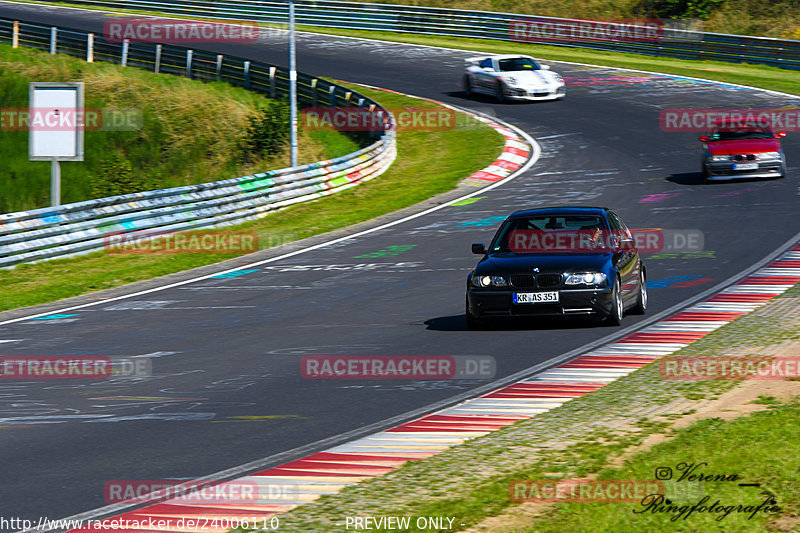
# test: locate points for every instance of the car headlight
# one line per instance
(717, 158)
(769, 155)
(558, 78)
(511, 80)
(489, 281)
(586, 278)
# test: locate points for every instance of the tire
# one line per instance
(704, 173)
(617, 310)
(473, 323)
(498, 93)
(641, 299)
(467, 86)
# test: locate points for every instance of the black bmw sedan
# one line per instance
(558, 261)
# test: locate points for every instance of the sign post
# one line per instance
(55, 128)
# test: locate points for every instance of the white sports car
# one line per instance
(512, 77)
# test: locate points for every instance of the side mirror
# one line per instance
(545, 67)
(704, 138)
(780, 134)
(478, 248)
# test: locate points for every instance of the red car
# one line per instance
(742, 150)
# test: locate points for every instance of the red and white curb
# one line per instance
(516, 153)
(327, 472)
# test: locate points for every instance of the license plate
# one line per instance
(745, 166)
(535, 297)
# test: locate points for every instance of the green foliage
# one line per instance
(116, 177)
(678, 9)
(267, 131)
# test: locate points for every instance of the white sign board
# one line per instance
(55, 124)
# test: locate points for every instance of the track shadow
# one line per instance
(486, 99)
(447, 323)
(687, 178)
(459, 323)
(696, 178)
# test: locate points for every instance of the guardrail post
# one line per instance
(53, 39)
(246, 74)
(272, 82)
(332, 95)
(314, 92)
(347, 96)
(189, 56)
(15, 35)
(125, 45)
(90, 48)
(360, 102)
(157, 65)
(219, 66)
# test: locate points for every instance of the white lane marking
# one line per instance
(154, 354)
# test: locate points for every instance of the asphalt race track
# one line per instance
(226, 352)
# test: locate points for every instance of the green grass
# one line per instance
(728, 447)
(428, 163)
(175, 145)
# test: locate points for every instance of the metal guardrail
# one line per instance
(81, 227)
(784, 53)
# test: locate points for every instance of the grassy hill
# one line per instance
(191, 132)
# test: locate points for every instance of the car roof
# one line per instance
(499, 56)
(561, 210)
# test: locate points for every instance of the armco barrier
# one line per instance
(81, 227)
(784, 53)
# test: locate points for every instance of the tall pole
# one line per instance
(292, 85)
(55, 183)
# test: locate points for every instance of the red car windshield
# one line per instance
(726, 133)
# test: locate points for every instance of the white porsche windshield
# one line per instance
(516, 64)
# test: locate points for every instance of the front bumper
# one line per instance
(572, 302)
(549, 93)
(724, 170)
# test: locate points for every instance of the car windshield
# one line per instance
(728, 133)
(517, 63)
(553, 233)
